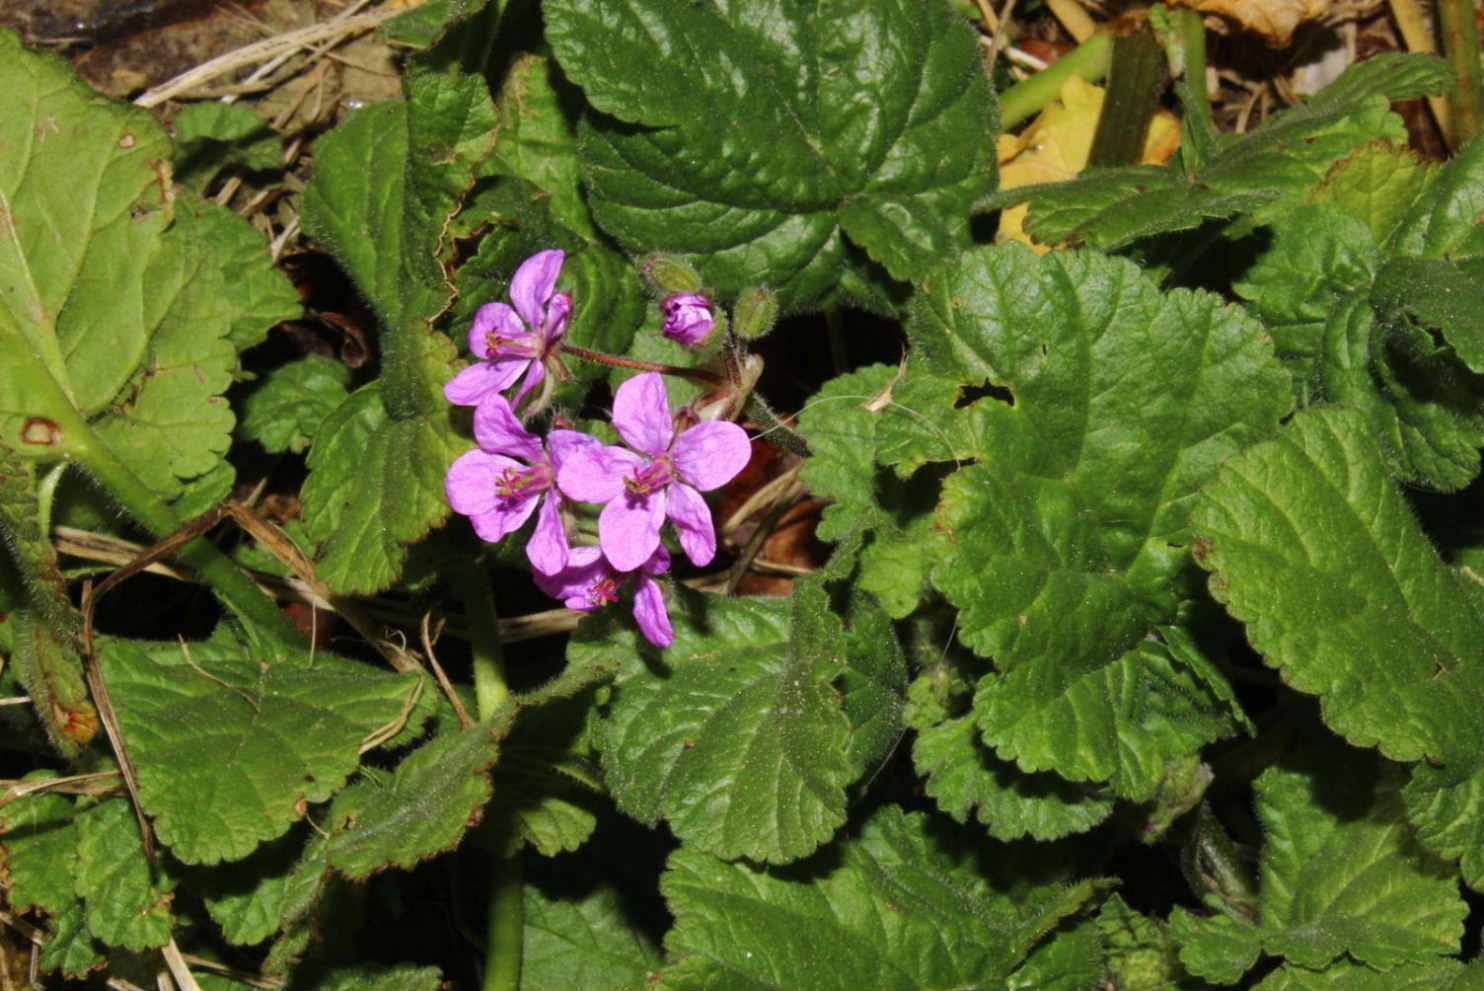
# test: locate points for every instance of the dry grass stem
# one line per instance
(429, 638)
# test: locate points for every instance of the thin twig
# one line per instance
(429, 638)
(184, 979)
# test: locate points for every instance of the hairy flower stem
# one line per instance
(505, 928)
(1088, 61)
(1461, 45)
(694, 374)
(505, 933)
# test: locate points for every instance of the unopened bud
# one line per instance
(755, 313)
(689, 318)
(666, 275)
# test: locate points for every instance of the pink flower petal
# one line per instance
(547, 549)
(558, 316)
(497, 430)
(650, 612)
(535, 372)
(709, 455)
(692, 519)
(641, 414)
(564, 443)
(629, 529)
(532, 284)
(493, 318)
(470, 386)
(470, 482)
(596, 473)
(585, 565)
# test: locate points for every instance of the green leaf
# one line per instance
(585, 942)
(375, 485)
(1318, 257)
(901, 905)
(434, 795)
(1421, 399)
(1445, 223)
(1220, 947)
(538, 139)
(1064, 545)
(1139, 951)
(1376, 184)
(212, 136)
(738, 138)
(284, 413)
(963, 774)
(121, 303)
(1440, 975)
(125, 903)
(1341, 873)
(547, 788)
(1446, 296)
(227, 746)
(386, 183)
(1448, 815)
(1264, 173)
(70, 949)
(40, 843)
(733, 734)
(1357, 583)
(279, 883)
(422, 26)
(1069, 958)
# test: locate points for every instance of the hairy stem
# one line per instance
(694, 374)
(505, 933)
(472, 588)
(1088, 61)
(774, 429)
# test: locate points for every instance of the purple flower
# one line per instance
(519, 341)
(663, 475)
(499, 493)
(688, 318)
(589, 582)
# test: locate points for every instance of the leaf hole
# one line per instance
(968, 395)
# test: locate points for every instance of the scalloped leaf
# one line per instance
(733, 735)
(1355, 605)
(228, 746)
(770, 143)
(901, 905)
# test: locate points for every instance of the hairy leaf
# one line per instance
(285, 412)
(125, 903)
(770, 143)
(434, 795)
(121, 304)
(1341, 873)
(1313, 547)
(732, 735)
(40, 843)
(1063, 546)
(586, 942)
(1441, 975)
(227, 745)
(898, 906)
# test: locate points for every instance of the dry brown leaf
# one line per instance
(1275, 20)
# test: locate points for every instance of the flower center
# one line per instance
(514, 485)
(655, 475)
(602, 591)
(498, 348)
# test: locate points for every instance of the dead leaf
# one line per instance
(1275, 20)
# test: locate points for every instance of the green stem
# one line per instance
(1088, 61)
(505, 929)
(774, 429)
(1135, 78)
(235, 589)
(505, 933)
(1195, 144)
(472, 588)
(1461, 45)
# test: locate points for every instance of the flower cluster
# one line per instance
(658, 474)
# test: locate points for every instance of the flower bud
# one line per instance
(689, 318)
(755, 314)
(666, 275)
